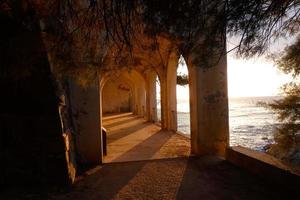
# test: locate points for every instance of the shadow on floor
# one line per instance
(145, 149)
(111, 137)
(131, 138)
(108, 125)
(176, 178)
(115, 116)
(215, 178)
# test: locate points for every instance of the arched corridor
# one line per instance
(63, 85)
(129, 115)
(124, 91)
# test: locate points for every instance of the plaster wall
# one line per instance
(116, 96)
(135, 81)
(138, 85)
(140, 101)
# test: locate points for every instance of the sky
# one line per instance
(257, 76)
(247, 78)
(254, 77)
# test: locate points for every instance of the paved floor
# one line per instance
(131, 138)
(170, 174)
(206, 178)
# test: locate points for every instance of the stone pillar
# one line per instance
(142, 100)
(139, 100)
(209, 108)
(139, 94)
(86, 108)
(151, 96)
(133, 99)
(168, 94)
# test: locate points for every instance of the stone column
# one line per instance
(151, 96)
(168, 94)
(171, 91)
(86, 108)
(140, 100)
(209, 108)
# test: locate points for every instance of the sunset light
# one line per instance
(254, 77)
(152, 100)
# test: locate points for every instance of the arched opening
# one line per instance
(252, 125)
(124, 110)
(132, 135)
(182, 96)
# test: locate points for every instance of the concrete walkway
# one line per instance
(131, 138)
(164, 171)
(207, 178)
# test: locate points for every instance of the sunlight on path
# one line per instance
(131, 138)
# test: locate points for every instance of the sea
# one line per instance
(251, 125)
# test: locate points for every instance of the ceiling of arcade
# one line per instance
(131, 77)
(103, 40)
(147, 53)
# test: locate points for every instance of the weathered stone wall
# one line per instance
(85, 105)
(68, 127)
(32, 148)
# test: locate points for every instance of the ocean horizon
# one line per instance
(250, 124)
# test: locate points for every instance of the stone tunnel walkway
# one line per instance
(131, 138)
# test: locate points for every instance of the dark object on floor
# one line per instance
(104, 135)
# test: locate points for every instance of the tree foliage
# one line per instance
(260, 22)
(289, 61)
(287, 109)
(87, 35)
(84, 31)
(182, 79)
(287, 136)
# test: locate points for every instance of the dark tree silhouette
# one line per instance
(76, 27)
(287, 109)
